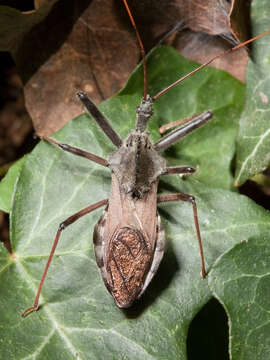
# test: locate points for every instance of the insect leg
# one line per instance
(170, 139)
(191, 199)
(179, 170)
(61, 227)
(102, 121)
(77, 151)
(164, 128)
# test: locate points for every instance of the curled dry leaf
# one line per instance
(207, 18)
(201, 47)
(239, 19)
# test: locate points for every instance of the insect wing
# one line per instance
(125, 241)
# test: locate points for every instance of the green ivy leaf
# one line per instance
(243, 273)
(254, 134)
(7, 185)
(78, 318)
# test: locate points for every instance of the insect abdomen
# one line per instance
(128, 262)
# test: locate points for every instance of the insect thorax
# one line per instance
(136, 164)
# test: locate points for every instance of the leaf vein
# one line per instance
(252, 154)
(51, 316)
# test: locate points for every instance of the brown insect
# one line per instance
(129, 240)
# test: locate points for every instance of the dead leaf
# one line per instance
(239, 19)
(201, 47)
(96, 49)
(97, 57)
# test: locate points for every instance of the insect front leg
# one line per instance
(164, 128)
(77, 151)
(184, 170)
(102, 121)
(61, 227)
(166, 141)
(191, 199)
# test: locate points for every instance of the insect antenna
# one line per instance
(209, 62)
(141, 48)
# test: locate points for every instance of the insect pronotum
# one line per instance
(129, 240)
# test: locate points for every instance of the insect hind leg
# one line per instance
(61, 227)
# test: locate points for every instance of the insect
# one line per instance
(129, 240)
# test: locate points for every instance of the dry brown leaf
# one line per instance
(239, 19)
(201, 47)
(99, 52)
(97, 57)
